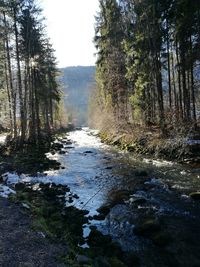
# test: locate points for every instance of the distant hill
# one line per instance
(78, 83)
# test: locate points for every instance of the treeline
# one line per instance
(29, 90)
(149, 61)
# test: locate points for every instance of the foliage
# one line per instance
(148, 61)
(28, 70)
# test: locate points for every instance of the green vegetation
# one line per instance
(147, 67)
(28, 73)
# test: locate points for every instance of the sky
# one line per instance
(70, 26)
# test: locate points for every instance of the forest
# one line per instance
(29, 90)
(126, 192)
(148, 64)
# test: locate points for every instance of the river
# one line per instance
(140, 190)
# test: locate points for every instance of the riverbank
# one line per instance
(149, 142)
(47, 214)
(31, 158)
(109, 208)
(22, 246)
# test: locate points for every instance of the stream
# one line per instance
(137, 190)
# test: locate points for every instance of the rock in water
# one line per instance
(88, 152)
(104, 210)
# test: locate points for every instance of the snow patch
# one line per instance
(162, 163)
(3, 138)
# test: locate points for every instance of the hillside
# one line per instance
(78, 83)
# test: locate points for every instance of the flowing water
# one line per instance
(100, 174)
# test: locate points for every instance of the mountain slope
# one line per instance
(77, 84)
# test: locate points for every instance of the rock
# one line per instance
(57, 146)
(20, 187)
(93, 227)
(195, 195)
(68, 143)
(26, 206)
(147, 228)
(42, 234)
(118, 197)
(99, 217)
(70, 200)
(97, 239)
(62, 152)
(82, 259)
(75, 196)
(109, 168)
(104, 210)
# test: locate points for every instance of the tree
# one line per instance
(30, 61)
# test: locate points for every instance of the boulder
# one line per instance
(105, 209)
(99, 217)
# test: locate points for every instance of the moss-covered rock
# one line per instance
(118, 197)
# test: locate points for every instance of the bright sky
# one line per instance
(70, 25)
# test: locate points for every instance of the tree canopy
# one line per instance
(28, 72)
(148, 61)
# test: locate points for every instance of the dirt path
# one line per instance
(20, 246)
